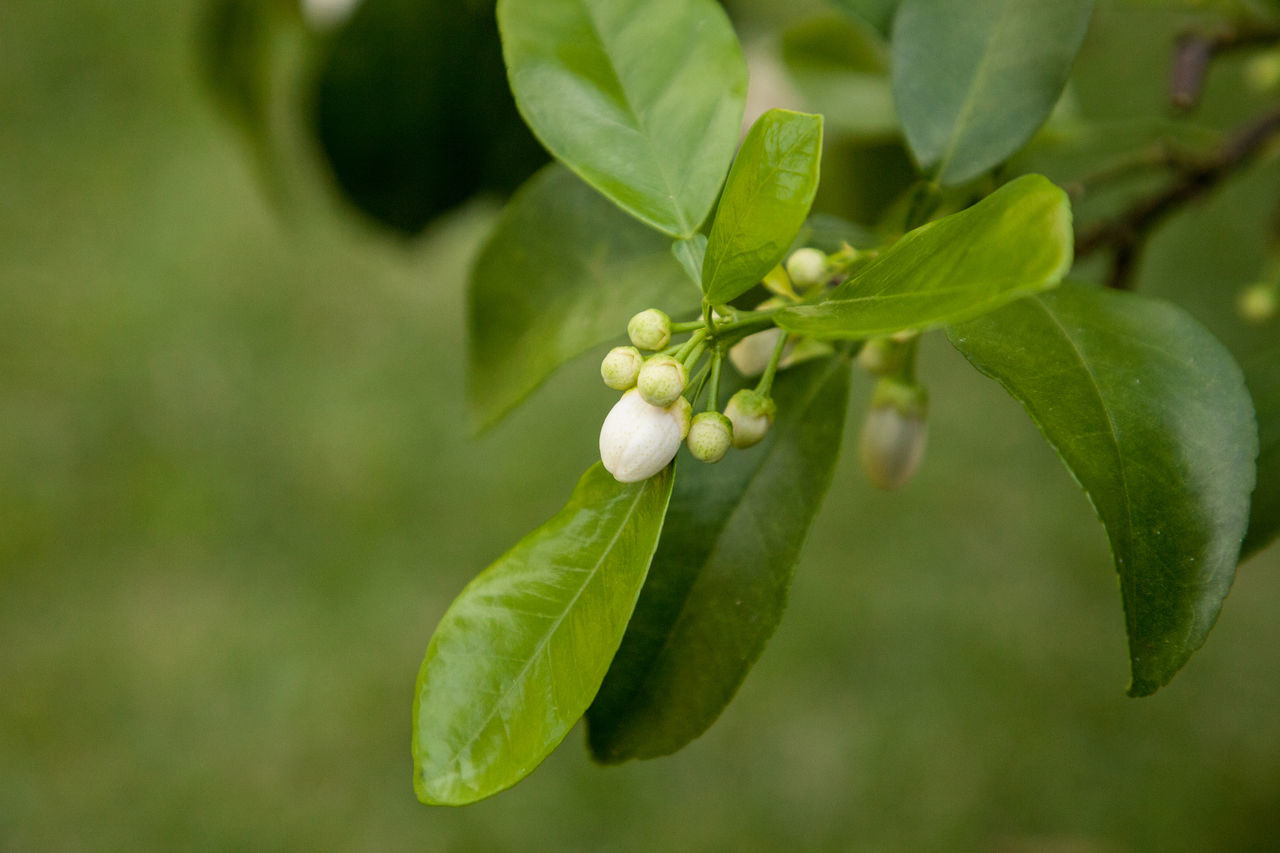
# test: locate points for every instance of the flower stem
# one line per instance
(766, 380)
(713, 396)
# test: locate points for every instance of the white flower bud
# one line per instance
(710, 436)
(807, 267)
(751, 354)
(751, 414)
(621, 367)
(638, 440)
(662, 380)
(1259, 302)
(894, 435)
(650, 329)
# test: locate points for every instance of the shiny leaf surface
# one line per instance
(1150, 414)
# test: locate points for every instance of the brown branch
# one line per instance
(1195, 51)
(1128, 232)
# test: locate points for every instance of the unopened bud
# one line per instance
(1258, 302)
(894, 435)
(621, 367)
(710, 436)
(807, 267)
(650, 329)
(880, 357)
(751, 354)
(751, 414)
(662, 380)
(638, 440)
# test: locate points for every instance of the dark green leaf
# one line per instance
(562, 272)
(642, 98)
(877, 13)
(1262, 372)
(719, 580)
(520, 653)
(972, 81)
(1150, 414)
(1016, 241)
(690, 253)
(841, 71)
(765, 201)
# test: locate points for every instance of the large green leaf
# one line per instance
(1016, 241)
(972, 81)
(1150, 413)
(642, 98)
(520, 653)
(719, 580)
(765, 201)
(561, 273)
(1262, 372)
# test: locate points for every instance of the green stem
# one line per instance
(713, 397)
(689, 345)
(766, 380)
(697, 384)
(687, 326)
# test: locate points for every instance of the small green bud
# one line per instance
(662, 380)
(1258, 302)
(894, 435)
(880, 357)
(751, 415)
(1262, 72)
(621, 367)
(807, 267)
(650, 329)
(710, 436)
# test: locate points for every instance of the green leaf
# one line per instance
(877, 13)
(562, 272)
(690, 252)
(642, 98)
(1015, 241)
(765, 201)
(1262, 372)
(972, 81)
(841, 70)
(1150, 414)
(520, 653)
(719, 580)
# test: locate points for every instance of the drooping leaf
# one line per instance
(520, 653)
(641, 98)
(413, 112)
(1151, 415)
(719, 581)
(1016, 241)
(1262, 372)
(877, 13)
(841, 70)
(562, 272)
(765, 201)
(972, 81)
(690, 252)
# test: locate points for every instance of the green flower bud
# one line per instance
(638, 440)
(662, 380)
(710, 436)
(650, 329)
(751, 414)
(880, 357)
(807, 267)
(1258, 302)
(895, 433)
(621, 367)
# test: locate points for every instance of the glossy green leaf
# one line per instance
(562, 272)
(642, 98)
(841, 70)
(877, 13)
(1016, 241)
(690, 253)
(520, 653)
(972, 81)
(719, 581)
(1262, 372)
(765, 202)
(1151, 415)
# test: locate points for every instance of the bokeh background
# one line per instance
(237, 491)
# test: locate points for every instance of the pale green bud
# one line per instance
(807, 267)
(621, 367)
(880, 357)
(894, 435)
(751, 354)
(662, 380)
(650, 329)
(751, 414)
(710, 436)
(1258, 302)
(1262, 72)
(638, 440)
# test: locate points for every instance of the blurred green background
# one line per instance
(237, 492)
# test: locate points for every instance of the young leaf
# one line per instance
(641, 98)
(765, 201)
(1150, 414)
(719, 580)
(972, 81)
(561, 273)
(690, 252)
(519, 654)
(1262, 372)
(1015, 241)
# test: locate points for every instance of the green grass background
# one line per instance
(237, 493)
